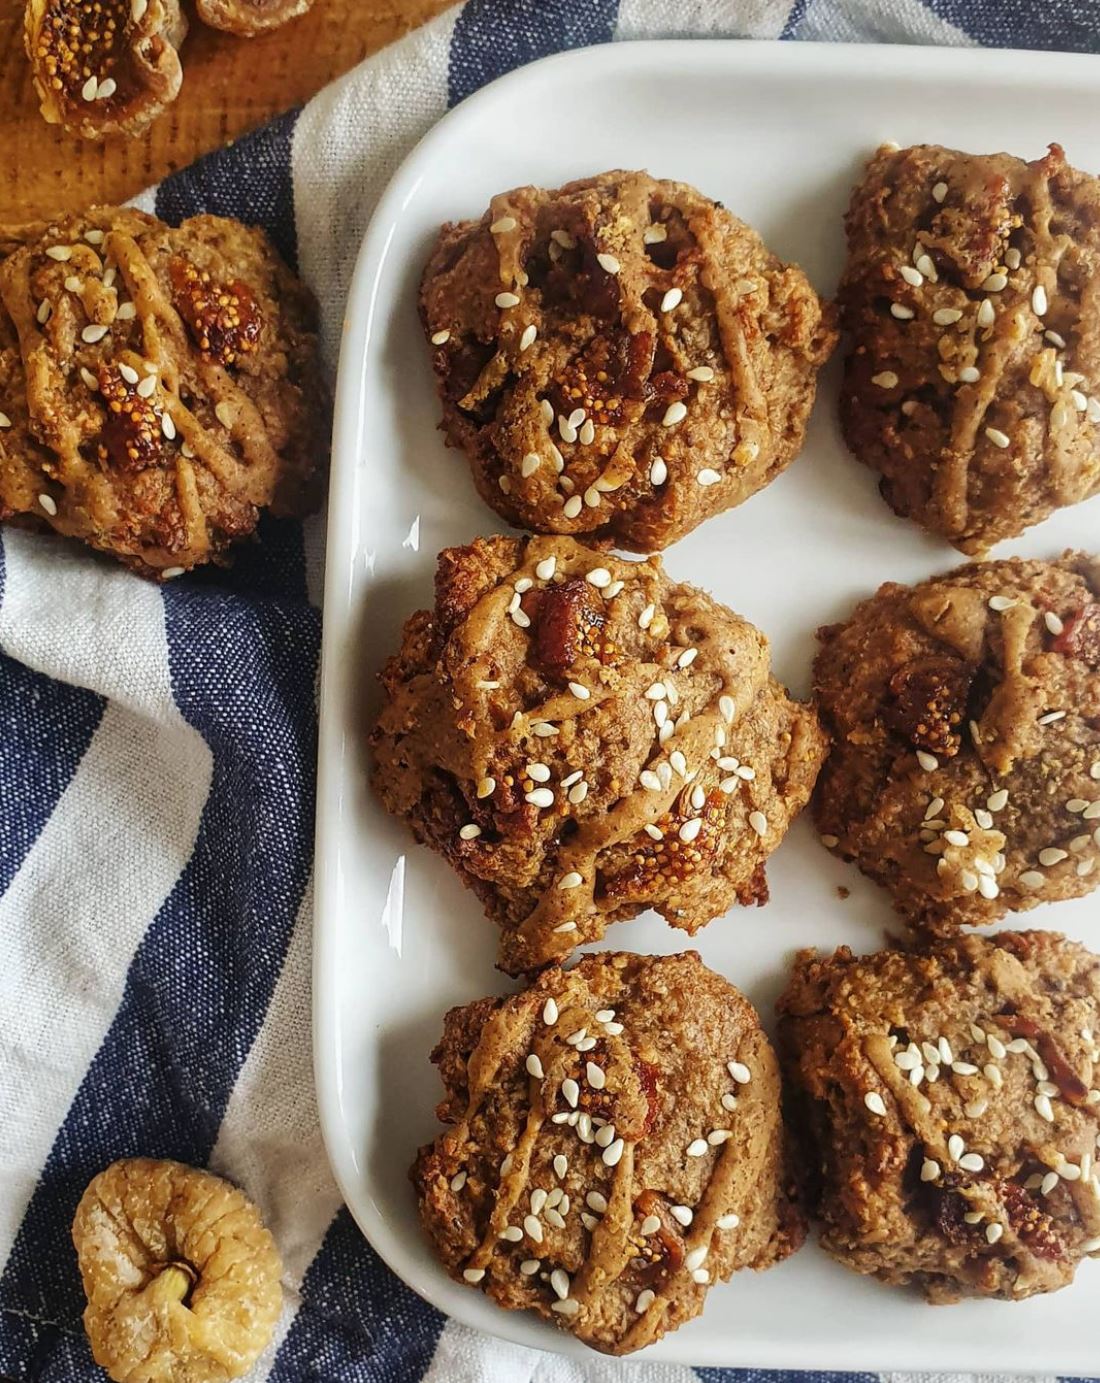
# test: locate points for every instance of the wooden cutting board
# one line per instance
(229, 85)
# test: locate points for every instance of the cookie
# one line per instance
(104, 67)
(582, 738)
(620, 357)
(171, 383)
(614, 1147)
(973, 385)
(965, 768)
(949, 1101)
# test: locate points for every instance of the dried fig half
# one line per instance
(181, 1277)
(247, 18)
(104, 66)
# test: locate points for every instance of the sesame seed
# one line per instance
(682, 1214)
(885, 379)
(512, 1234)
(971, 1162)
(568, 1307)
(550, 1012)
(645, 619)
(697, 1147)
(901, 312)
(946, 316)
(997, 801)
(707, 476)
(687, 657)
(959, 838)
(169, 573)
(972, 1217)
(470, 1274)
(89, 89)
(930, 1170)
(521, 619)
(534, 1067)
(955, 1147)
(595, 1201)
(986, 314)
(559, 1280)
(701, 1276)
(969, 375)
(927, 761)
(716, 1137)
(1080, 402)
(651, 1224)
(1043, 1108)
(440, 338)
(48, 505)
(222, 411)
(759, 823)
(470, 832)
(727, 708)
(1092, 811)
(42, 316)
(587, 436)
(1076, 805)
(608, 262)
(830, 842)
(167, 426)
(612, 1153)
(93, 332)
(540, 797)
(696, 1258)
(1039, 300)
(506, 300)
(690, 829)
(911, 276)
(596, 1077)
(993, 1232)
(995, 282)
(730, 1221)
(544, 730)
(1049, 1182)
(645, 1298)
(572, 507)
(939, 192)
(999, 439)
(1052, 855)
(458, 1181)
(528, 336)
(546, 408)
(578, 1036)
(106, 89)
(675, 413)
(975, 1109)
(676, 761)
(672, 299)
(571, 1092)
(505, 223)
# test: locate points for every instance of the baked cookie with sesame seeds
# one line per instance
(104, 67)
(973, 385)
(166, 385)
(949, 1107)
(964, 711)
(582, 739)
(619, 357)
(614, 1146)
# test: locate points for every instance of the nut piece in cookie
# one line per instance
(181, 1277)
(583, 739)
(620, 356)
(162, 383)
(615, 1145)
(965, 768)
(247, 18)
(974, 381)
(950, 1109)
(104, 67)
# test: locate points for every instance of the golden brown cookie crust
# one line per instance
(583, 739)
(950, 1105)
(620, 357)
(615, 1147)
(171, 380)
(965, 769)
(969, 293)
(104, 67)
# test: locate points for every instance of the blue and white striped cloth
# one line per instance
(157, 759)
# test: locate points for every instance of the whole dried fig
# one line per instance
(181, 1277)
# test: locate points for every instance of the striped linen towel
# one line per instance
(157, 761)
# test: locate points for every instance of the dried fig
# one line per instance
(104, 66)
(250, 17)
(181, 1277)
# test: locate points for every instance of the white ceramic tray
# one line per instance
(777, 132)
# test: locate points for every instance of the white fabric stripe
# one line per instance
(702, 18)
(270, 1141)
(146, 201)
(467, 1356)
(99, 871)
(348, 143)
(872, 21)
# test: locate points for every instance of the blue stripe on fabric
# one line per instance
(492, 37)
(200, 982)
(795, 18)
(1062, 25)
(357, 1320)
(250, 180)
(45, 730)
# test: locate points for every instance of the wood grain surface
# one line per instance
(229, 85)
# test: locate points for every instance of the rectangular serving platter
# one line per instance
(777, 132)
